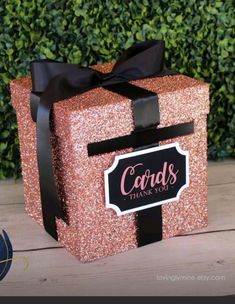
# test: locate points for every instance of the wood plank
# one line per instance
(137, 272)
(221, 174)
(23, 231)
(221, 162)
(11, 193)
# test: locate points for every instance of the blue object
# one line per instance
(6, 254)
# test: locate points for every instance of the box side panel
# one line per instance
(27, 141)
(63, 169)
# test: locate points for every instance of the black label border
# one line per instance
(141, 152)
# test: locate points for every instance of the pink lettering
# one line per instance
(168, 175)
(131, 172)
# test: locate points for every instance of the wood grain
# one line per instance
(202, 264)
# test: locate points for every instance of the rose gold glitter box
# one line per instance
(95, 231)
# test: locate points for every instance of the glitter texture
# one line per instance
(93, 230)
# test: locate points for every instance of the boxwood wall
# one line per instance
(199, 38)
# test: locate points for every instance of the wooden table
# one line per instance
(200, 264)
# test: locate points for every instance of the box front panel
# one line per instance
(102, 231)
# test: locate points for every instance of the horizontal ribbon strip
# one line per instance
(140, 138)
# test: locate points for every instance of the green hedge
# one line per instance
(199, 38)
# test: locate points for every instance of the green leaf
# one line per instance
(179, 19)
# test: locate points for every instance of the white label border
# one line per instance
(135, 153)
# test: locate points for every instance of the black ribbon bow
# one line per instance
(54, 81)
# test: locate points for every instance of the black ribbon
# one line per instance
(54, 81)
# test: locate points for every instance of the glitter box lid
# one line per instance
(194, 103)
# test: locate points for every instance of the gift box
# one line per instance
(129, 154)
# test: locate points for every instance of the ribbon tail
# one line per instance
(51, 206)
